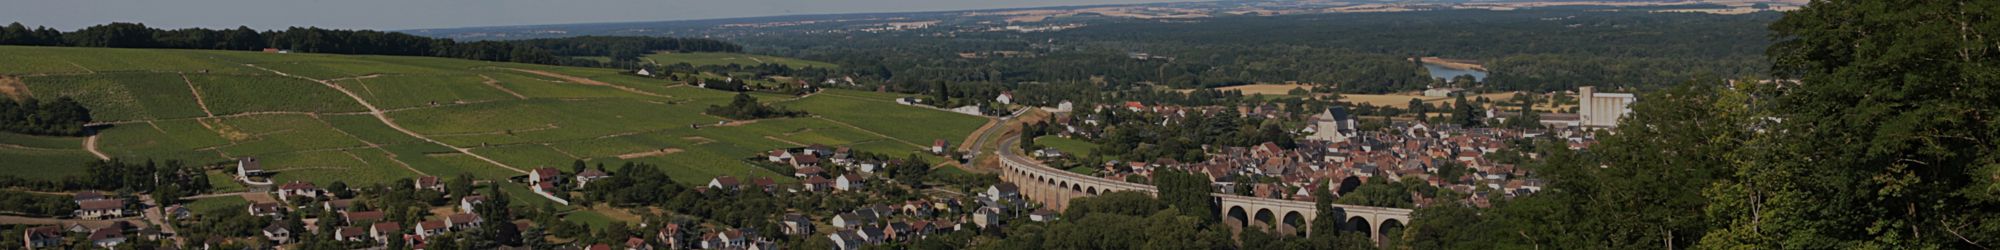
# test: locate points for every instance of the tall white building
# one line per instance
(1602, 110)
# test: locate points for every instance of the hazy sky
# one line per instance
(413, 14)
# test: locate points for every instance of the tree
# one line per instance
(1465, 113)
(745, 107)
(535, 238)
(340, 190)
(63, 116)
(460, 187)
(1188, 193)
(1885, 141)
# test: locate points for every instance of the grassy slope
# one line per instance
(320, 136)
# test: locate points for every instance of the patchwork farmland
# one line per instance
(376, 119)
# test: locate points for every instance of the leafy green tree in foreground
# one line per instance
(1888, 139)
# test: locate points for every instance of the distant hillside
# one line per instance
(375, 119)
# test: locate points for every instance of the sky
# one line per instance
(418, 14)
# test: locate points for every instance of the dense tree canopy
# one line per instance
(62, 116)
(555, 51)
(1881, 136)
(1886, 141)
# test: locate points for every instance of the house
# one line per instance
(277, 232)
(636, 243)
(938, 146)
(266, 209)
(1006, 97)
(871, 235)
(846, 240)
(724, 183)
(432, 227)
(897, 231)
(848, 182)
(337, 205)
(797, 224)
(101, 209)
(1440, 92)
(385, 231)
(463, 221)
(1048, 153)
(869, 167)
(178, 212)
(362, 217)
(737, 238)
(644, 72)
(1135, 106)
(816, 184)
(108, 237)
(805, 172)
(248, 167)
(779, 156)
(299, 189)
(848, 220)
(470, 202)
(351, 234)
(670, 235)
(42, 237)
(805, 160)
(1003, 191)
(544, 174)
(987, 217)
(432, 183)
(589, 175)
(764, 183)
(81, 197)
(1043, 215)
(546, 189)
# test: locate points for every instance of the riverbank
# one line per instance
(1459, 64)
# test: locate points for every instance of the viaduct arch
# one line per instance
(1054, 188)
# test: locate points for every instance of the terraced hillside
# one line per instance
(375, 119)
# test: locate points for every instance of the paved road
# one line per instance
(154, 215)
(978, 145)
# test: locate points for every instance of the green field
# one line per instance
(308, 131)
(1067, 145)
(122, 96)
(713, 58)
(880, 113)
(218, 203)
(43, 156)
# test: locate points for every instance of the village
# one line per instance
(1478, 164)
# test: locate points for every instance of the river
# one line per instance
(1441, 71)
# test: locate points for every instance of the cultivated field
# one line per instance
(713, 58)
(307, 116)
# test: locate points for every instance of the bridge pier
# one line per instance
(1054, 188)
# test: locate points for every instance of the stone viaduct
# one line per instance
(1054, 188)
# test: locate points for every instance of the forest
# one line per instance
(557, 51)
(1535, 50)
(625, 48)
